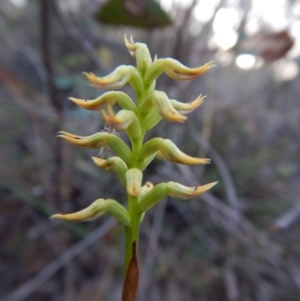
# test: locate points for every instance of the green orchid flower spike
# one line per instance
(135, 118)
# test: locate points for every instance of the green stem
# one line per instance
(132, 233)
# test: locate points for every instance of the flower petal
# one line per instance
(113, 164)
(133, 181)
(98, 140)
(173, 189)
(174, 69)
(182, 192)
(124, 120)
(117, 79)
(163, 106)
(108, 98)
(96, 210)
(140, 52)
(167, 150)
(92, 212)
(186, 108)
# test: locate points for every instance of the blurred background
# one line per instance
(240, 241)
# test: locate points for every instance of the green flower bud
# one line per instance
(96, 210)
(133, 181)
(113, 164)
(106, 99)
(174, 69)
(124, 120)
(152, 197)
(140, 52)
(145, 189)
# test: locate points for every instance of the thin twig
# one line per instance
(57, 173)
(287, 219)
(154, 236)
(181, 29)
(234, 223)
(46, 44)
(231, 281)
(78, 38)
(220, 164)
(32, 285)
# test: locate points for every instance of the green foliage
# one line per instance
(148, 14)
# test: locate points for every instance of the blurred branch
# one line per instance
(78, 39)
(231, 281)
(18, 90)
(153, 239)
(181, 29)
(234, 223)
(61, 172)
(107, 278)
(266, 263)
(32, 285)
(22, 192)
(46, 53)
(287, 219)
(40, 118)
(55, 149)
(220, 164)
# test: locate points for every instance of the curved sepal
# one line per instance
(96, 210)
(186, 108)
(152, 197)
(163, 106)
(172, 189)
(167, 150)
(106, 99)
(134, 179)
(98, 140)
(174, 69)
(131, 46)
(140, 52)
(178, 191)
(113, 164)
(124, 120)
(117, 79)
(144, 189)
